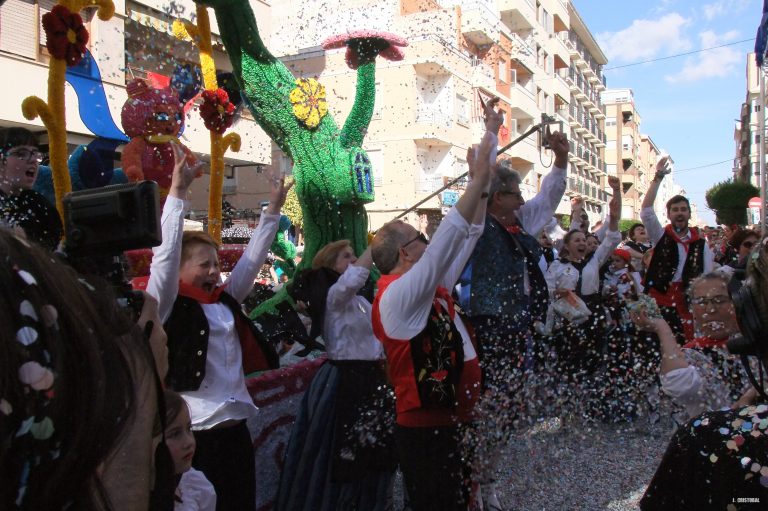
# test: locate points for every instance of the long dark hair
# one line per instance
(91, 347)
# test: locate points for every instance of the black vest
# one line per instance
(665, 260)
(187, 329)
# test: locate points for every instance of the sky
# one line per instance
(689, 104)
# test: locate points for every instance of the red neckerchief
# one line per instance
(694, 236)
(511, 229)
(444, 295)
(199, 294)
(706, 342)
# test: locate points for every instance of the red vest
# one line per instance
(400, 368)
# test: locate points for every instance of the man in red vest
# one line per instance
(680, 254)
(431, 359)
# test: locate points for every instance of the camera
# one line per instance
(101, 223)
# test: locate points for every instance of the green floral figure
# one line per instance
(333, 173)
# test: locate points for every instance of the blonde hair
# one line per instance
(326, 256)
(191, 238)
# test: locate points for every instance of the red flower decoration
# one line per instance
(514, 229)
(217, 111)
(65, 35)
(364, 45)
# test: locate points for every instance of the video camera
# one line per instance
(752, 315)
(101, 223)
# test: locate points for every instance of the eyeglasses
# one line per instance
(419, 237)
(26, 155)
(519, 195)
(748, 244)
(716, 300)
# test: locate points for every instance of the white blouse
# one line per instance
(195, 492)
(563, 275)
(347, 329)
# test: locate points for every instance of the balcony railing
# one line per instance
(433, 115)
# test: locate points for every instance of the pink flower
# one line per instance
(364, 45)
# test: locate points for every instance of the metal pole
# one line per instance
(522, 137)
(761, 150)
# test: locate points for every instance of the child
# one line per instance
(212, 344)
(194, 492)
(621, 279)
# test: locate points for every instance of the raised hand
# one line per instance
(278, 190)
(493, 118)
(183, 174)
(663, 167)
(614, 182)
(558, 142)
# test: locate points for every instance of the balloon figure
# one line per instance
(153, 119)
(333, 173)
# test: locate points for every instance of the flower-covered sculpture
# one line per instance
(333, 173)
(153, 119)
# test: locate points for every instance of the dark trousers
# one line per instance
(226, 458)
(435, 475)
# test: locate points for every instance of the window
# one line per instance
(610, 169)
(610, 121)
(462, 110)
(627, 142)
(377, 164)
(503, 71)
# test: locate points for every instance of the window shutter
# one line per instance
(45, 7)
(17, 28)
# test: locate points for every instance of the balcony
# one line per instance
(479, 24)
(482, 75)
(518, 15)
(523, 52)
(523, 100)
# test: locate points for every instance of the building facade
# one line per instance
(746, 161)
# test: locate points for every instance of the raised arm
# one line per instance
(672, 356)
(243, 276)
(662, 169)
(163, 282)
(614, 207)
(535, 214)
(351, 281)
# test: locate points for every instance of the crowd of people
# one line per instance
(502, 319)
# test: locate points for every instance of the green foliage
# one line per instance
(626, 223)
(728, 199)
(565, 222)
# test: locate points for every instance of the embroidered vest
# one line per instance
(665, 260)
(437, 353)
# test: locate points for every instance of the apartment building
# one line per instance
(136, 42)
(586, 116)
(427, 106)
(746, 162)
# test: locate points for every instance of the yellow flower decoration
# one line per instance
(308, 99)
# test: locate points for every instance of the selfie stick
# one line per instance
(546, 120)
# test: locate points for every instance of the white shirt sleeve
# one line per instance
(652, 225)
(465, 252)
(163, 282)
(536, 214)
(685, 387)
(607, 246)
(349, 283)
(709, 258)
(406, 303)
(243, 276)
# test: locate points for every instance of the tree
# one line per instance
(728, 199)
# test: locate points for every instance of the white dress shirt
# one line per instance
(655, 231)
(405, 305)
(347, 329)
(222, 394)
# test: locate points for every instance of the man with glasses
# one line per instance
(20, 206)
(431, 359)
(504, 292)
(680, 254)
